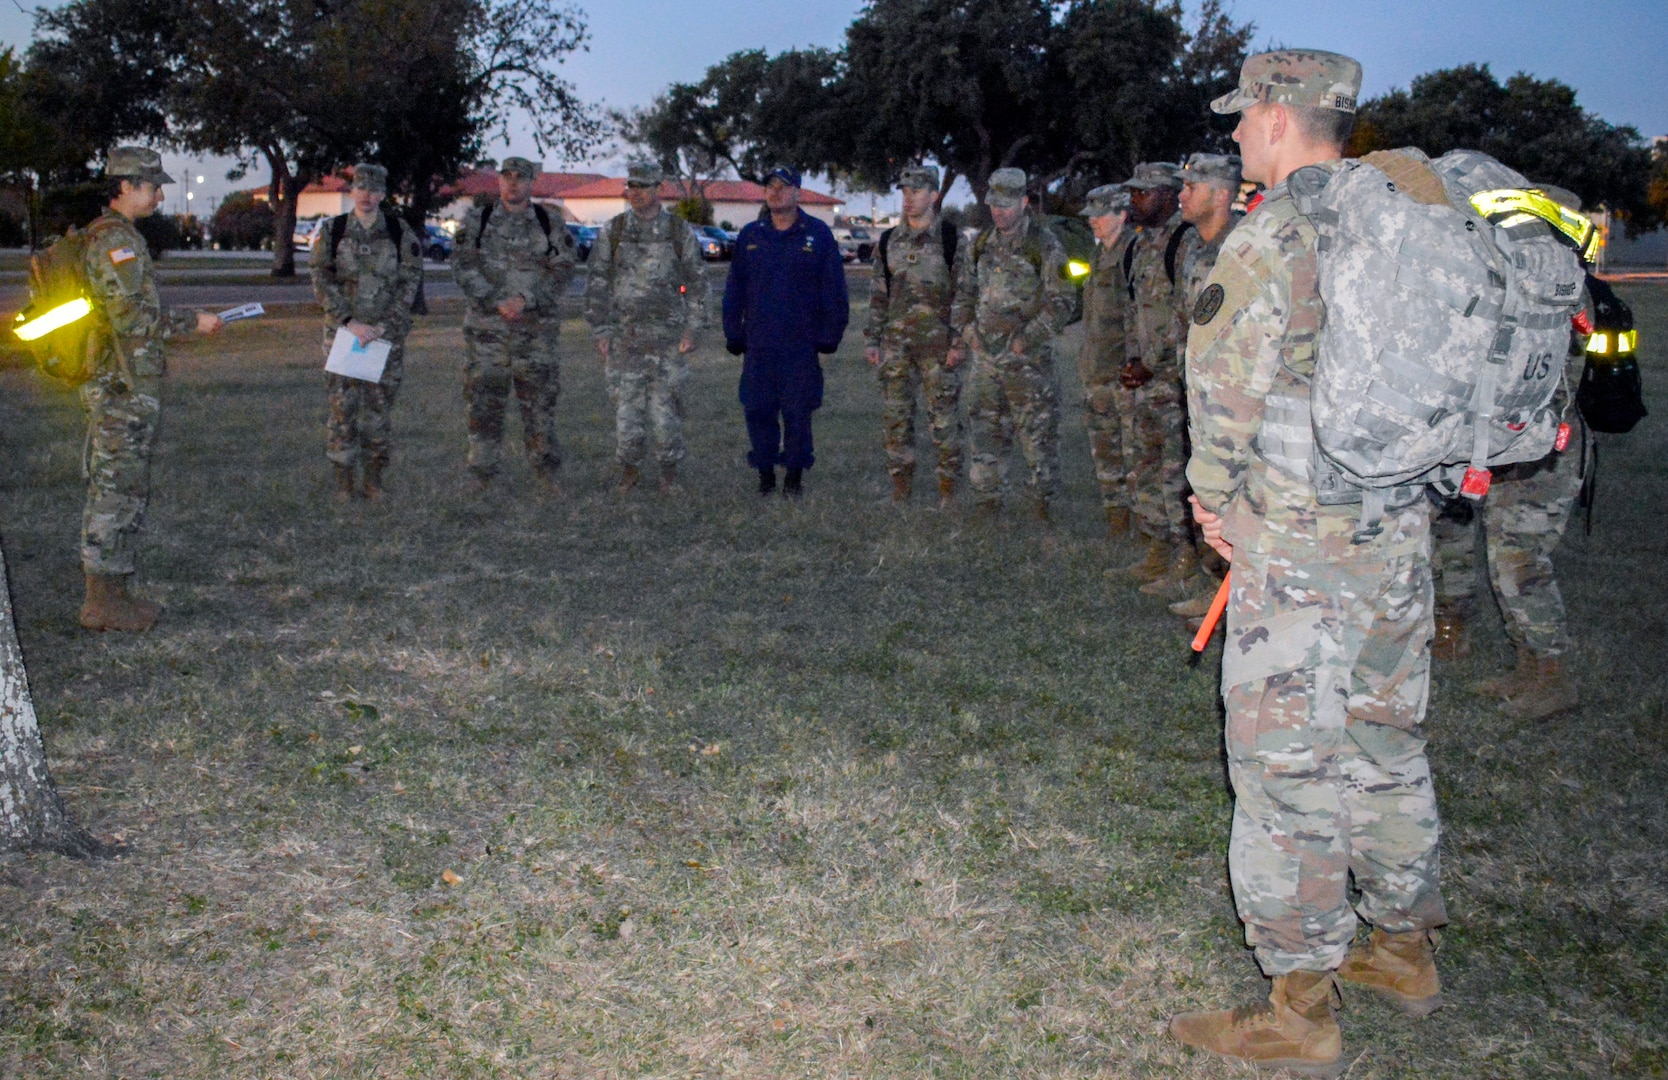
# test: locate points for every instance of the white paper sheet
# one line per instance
(242, 311)
(352, 360)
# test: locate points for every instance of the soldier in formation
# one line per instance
(1153, 371)
(513, 262)
(366, 268)
(123, 398)
(1210, 184)
(908, 335)
(1108, 405)
(1010, 302)
(646, 300)
(1325, 676)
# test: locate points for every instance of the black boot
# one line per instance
(767, 481)
(791, 486)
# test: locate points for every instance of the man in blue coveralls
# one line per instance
(785, 302)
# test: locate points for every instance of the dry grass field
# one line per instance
(724, 787)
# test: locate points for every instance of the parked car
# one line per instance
(584, 238)
(305, 230)
(437, 245)
(855, 244)
(715, 242)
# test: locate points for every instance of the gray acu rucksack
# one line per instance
(1447, 324)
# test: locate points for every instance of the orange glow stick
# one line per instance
(1217, 606)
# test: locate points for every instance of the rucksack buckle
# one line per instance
(1475, 484)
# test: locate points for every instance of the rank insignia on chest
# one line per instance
(364, 249)
(122, 255)
(1210, 302)
(810, 245)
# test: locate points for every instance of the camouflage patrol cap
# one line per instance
(370, 177)
(644, 172)
(136, 163)
(1007, 187)
(520, 166)
(1218, 170)
(1106, 199)
(919, 176)
(1324, 80)
(1155, 174)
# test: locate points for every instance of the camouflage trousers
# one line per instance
(1158, 467)
(1109, 416)
(1325, 698)
(906, 375)
(1012, 398)
(646, 387)
(1522, 523)
(358, 425)
(116, 463)
(496, 364)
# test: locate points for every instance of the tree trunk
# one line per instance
(32, 816)
(284, 193)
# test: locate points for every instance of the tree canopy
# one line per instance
(1533, 125)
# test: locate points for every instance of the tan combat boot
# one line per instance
(1182, 571)
(1497, 686)
(1401, 968)
(109, 607)
(1152, 565)
(1451, 641)
(903, 483)
(1198, 605)
(344, 483)
(946, 492)
(373, 480)
(1541, 689)
(1118, 522)
(669, 479)
(629, 476)
(1294, 1030)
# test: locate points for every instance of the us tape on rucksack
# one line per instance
(1446, 325)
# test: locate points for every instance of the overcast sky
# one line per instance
(1614, 52)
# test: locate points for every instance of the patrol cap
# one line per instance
(785, 173)
(136, 163)
(1106, 199)
(1155, 174)
(644, 172)
(1218, 170)
(370, 177)
(919, 176)
(1324, 80)
(1007, 187)
(520, 166)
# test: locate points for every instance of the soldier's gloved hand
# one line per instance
(736, 348)
(1135, 374)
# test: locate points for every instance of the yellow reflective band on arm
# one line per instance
(60, 316)
(1505, 207)
(1626, 341)
(1077, 268)
(1598, 344)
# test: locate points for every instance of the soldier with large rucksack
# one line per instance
(113, 353)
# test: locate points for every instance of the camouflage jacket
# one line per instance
(513, 258)
(1105, 309)
(1193, 265)
(648, 286)
(913, 314)
(1154, 334)
(1008, 287)
(366, 277)
(123, 282)
(1250, 354)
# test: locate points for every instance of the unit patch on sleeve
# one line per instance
(1210, 302)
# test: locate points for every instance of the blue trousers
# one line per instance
(779, 392)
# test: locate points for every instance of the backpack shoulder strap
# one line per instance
(543, 217)
(1172, 247)
(338, 229)
(616, 230)
(392, 223)
(886, 267)
(680, 236)
(486, 216)
(948, 238)
(980, 242)
(1129, 266)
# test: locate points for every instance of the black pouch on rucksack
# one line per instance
(1611, 397)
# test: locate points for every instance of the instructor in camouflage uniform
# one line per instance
(1010, 302)
(366, 268)
(646, 300)
(1153, 372)
(513, 261)
(1326, 671)
(909, 335)
(1108, 405)
(124, 397)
